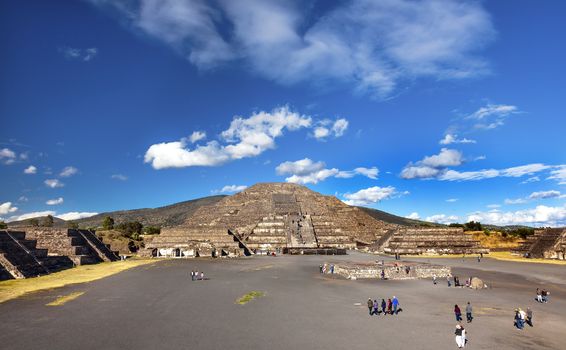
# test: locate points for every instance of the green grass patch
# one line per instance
(249, 297)
(64, 299)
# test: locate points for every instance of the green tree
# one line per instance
(108, 223)
(48, 221)
(131, 229)
(34, 222)
(72, 225)
(3, 225)
(152, 230)
(473, 226)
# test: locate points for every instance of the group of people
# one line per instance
(458, 313)
(542, 296)
(522, 317)
(389, 307)
(196, 275)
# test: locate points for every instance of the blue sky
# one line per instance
(437, 109)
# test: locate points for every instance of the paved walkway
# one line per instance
(159, 307)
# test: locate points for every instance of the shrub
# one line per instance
(152, 230)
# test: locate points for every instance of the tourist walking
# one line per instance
(458, 313)
(192, 275)
(529, 317)
(320, 268)
(383, 307)
(395, 303)
(202, 276)
(469, 317)
(434, 279)
(375, 307)
(539, 296)
(519, 321)
(545, 296)
(460, 336)
(448, 281)
(370, 306)
(332, 269)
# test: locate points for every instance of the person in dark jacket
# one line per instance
(469, 317)
(458, 313)
(389, 307)
(529, 317)
(375, 307)
(383, 306)
(370, 306)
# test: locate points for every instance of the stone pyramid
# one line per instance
(269, 216)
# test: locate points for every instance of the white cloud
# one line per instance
(56, 201)
(414, 216)
(31, 215)
(231, 189)
(494, 206)
(558, 175)
(306, 171)
(68, 171)
(6, 208)
(7, 156)
(515, 201)
(370, 195)
(452, 200)
(522, 170)
(246, 137)
(531, 179)
(442, 219)
(84, 55)
(53, 183)
(374, 45)
(30, 170)
(119, 177)
(197, 136)
(449, 139)
(544, 194)
(73, 215)
(539, 216)
(491, 116)
(325, 128)
(432, 166)
(23, 199)
(518, 171)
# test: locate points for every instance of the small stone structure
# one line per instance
(41, 250)
(437, 240)
(547, 243)
(401, 270)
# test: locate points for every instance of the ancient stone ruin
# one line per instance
(547, 243)
(270, 217)
(37, 251)
(402, 270)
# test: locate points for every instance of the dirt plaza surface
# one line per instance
(158, 306)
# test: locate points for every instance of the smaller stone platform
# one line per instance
(398, 270)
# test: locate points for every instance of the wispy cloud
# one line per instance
(306, 171)
(450, 139)
(68, 171)
(74, 215)
(197, 136)
(119, 177)
(374, 45)
(536, 196)
(230, 189)
(53, 183)
(413, 216)
(326, 128)
(77, 54)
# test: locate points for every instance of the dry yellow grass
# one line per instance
(64, 299)
(12, 289)
(495, 240)
(507, 256)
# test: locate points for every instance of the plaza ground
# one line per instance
(158, 306)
